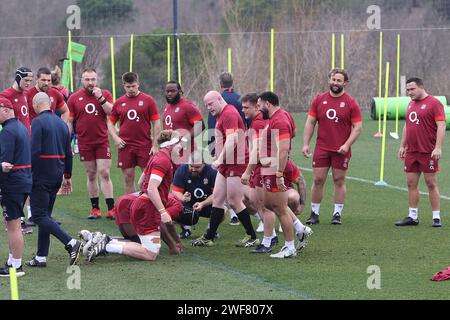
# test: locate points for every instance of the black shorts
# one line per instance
(12, 204)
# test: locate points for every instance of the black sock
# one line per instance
(94, 202)
(214, 222)
(109, 203)
(134, 238)
(244, 218)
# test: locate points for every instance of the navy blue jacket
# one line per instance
(15, 149)
(51, 153)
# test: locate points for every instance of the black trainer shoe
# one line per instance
(274, 241)
(261, 249)
(436, 223)
(4, 272)
(185, 233)
(336, 219)
(313, 219)
(408, 221)
(234, 221)
(74, 252)
(35, 263)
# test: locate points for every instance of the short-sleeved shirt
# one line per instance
(335, 117)
(182, 115)
(421, 127)
(56, 99)
(159, 165)
(257, 127)
(200, 187)
(135, 116)
(229, 121)
(20, 106)
(280, 126)
(91, 125)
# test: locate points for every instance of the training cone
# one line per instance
(394, 135)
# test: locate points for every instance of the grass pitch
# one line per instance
(333, 266)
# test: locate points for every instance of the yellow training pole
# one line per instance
(131, 52)
(342, 51)
(168, 59)
(70, 61)
(229, 60)
(333, 51)
(397, 85)
(113, 75)
(179, 61)
(380, 73)
(383, 143)
(13, 283)
(272, 45)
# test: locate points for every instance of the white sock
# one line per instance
(257, 216)
(267, 241)
(315, 207)
(413, 213)
(232, 213)
(187, 227)
(9, 259)
(298, 226)
(274, 234)
(289, 244)
(114, 241)
(437, 214)
(16, 263)
(338, 208)
(41, 259)
(72, 242)
(115, 247)
(28, 212)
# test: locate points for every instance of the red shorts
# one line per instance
(325, 159)
(290, 174)
(174, 206)
(94, 152)
(123, 208)
(420, 162)
(130, 157)
(144, 216)
(255, 180)
(232, 170)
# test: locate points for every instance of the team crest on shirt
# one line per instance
(342, 105)
(120, 164)
(177, 109)
(140, 103)
(189, 181)
(16, 100)
(205, 181)
(52, 100)
(325, 102)
(80, 98)
(82, 158)
(124, 104)
(423, 106)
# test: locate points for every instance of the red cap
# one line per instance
(5, 103)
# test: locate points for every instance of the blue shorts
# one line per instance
(12, 204)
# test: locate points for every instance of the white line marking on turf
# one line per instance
(373, 183)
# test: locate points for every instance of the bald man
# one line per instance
(51, 158)
(231, 160)
(15, 181)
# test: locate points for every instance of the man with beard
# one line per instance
(193, 185)
(89, 106)
(137, 114)
(339, 124)
(44, 84)
(181, 115)
(16, 95)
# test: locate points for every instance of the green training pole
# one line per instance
(342, 51)
(70, 61)
(383, 143)
(229, 60)
(168, 59)
(179, 60)
(380, 73)
(131, 52)
(113, 75)
(333, 51)
(272, 42)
